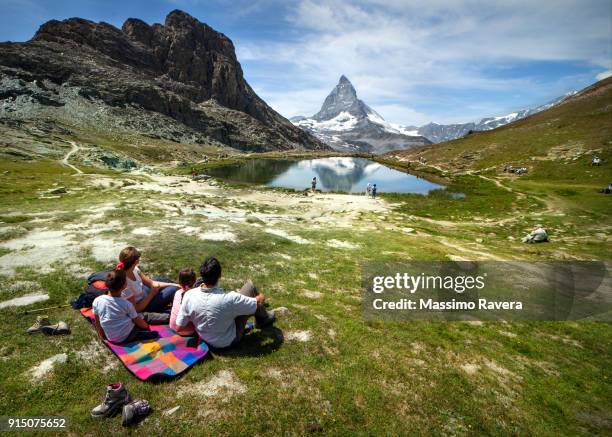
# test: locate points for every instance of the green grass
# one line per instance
(353, 376)
(440, 204)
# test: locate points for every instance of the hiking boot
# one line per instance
(38, 325)
(60, 328)
(262, 322)
(116, 397)
(134, 412)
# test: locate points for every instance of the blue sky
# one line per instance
(413, 61)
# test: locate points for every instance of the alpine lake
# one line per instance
(334, 174)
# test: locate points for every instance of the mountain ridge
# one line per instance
(183, 76)
(437, 132)
(557, 142)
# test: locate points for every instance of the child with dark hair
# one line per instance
(187, 279)
(116, 319)
(218, 317)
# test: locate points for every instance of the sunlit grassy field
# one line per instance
(322, 368)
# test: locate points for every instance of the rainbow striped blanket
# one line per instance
(163, 358)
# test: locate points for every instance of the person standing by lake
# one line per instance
(313, 184)
(374, 191)
(368, 189)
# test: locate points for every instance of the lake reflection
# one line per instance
(333, 174)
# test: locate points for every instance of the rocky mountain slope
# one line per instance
(438, 133)
(347, 124)
(559, 142)
(178, 82)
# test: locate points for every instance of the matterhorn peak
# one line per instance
(343, 98)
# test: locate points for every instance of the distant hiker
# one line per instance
(537, 235)
(116, 320)
(313, 184)
(368, 189)
(374, 191)
(607, 190)
(596, 161)
(220, 318)
(159, 294)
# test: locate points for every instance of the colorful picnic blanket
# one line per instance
(165, 357)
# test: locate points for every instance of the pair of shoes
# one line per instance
(43, 324)
(117, 398)
(262, 322)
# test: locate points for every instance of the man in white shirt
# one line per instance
(220, 318)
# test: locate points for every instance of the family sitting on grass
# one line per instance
(219, 318)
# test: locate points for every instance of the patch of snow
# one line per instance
(147, 232)
(301, 336)
(218, 235)
(39, 249)
(105, 250)
(24, 300)
(46, 366)
(223, 383)
(341, 122)
(374, 117)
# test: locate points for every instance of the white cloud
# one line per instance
(393, 49)
(402, 114)
(604, 75)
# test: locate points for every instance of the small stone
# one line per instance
(281, 311)
(171, 411)
(58, 190)
(479, 240)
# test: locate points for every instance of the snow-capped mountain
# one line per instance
(347, 124)
(438, 133)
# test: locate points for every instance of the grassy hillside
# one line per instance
(555, 144)
(323, 367)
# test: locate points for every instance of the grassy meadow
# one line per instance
(321, 369)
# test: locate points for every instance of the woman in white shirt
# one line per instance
(159, 295)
